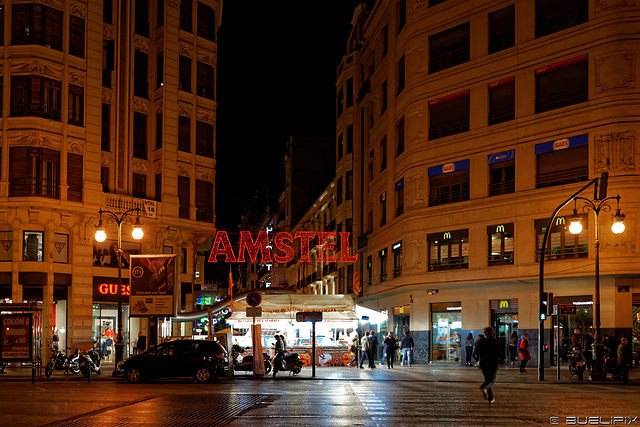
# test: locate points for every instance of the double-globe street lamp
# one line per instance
(118, 218)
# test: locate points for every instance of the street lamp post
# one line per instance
(118, 218)
(596, 206)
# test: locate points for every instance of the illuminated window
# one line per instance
(448, 250)
(500, 244)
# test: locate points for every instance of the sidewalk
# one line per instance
(434, 372)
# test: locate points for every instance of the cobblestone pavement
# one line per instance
(418, 395)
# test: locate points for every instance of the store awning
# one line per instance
(279, 306)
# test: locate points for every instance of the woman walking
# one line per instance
(390, 349)
(523, 351)
(469, 348)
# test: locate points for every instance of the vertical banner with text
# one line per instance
(153, 282)
(15, 338)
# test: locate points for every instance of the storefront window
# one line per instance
(446, 319)
(575, 312)
(33, 246)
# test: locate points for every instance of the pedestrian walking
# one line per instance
(575, 339)
(513, 348)
(365, 346)
(523, 351)
(390, 345)
(374, 347)
(354, 348)
(398, 353)
(384, 349)
(469, 348)
(406, 344)
(475, 355)
(488, 350)
(587, 342)
(624, 360)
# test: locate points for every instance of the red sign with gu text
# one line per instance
(105, 289)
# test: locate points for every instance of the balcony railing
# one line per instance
(501, 259)
(445, 195)
(502, 41)
(449, 59)
(562, 20)
(449, 263)
(449, 129)
(502, 115)
(502, 187)
(29, 110)
(562, 99)
(34, 187)
(562, 177)
(554, 253)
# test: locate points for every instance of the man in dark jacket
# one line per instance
(488, 350)
(374, 347)
(406, 344)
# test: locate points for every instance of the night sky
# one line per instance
(277, 66)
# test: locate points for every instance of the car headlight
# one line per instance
(120, 365)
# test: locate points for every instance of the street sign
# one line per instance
(254, 299)
(567, 309)
(309, 316)
(254, 312)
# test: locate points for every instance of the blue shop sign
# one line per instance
(449, 167)
(502, 156)
(561, 144)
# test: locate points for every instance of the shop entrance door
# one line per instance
(504, 324)
(401, 324)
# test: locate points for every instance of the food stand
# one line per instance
(340, 317)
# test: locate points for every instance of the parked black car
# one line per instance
(199, 359)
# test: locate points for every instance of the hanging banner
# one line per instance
(153, 281)
(15, 338)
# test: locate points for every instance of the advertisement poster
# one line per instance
(16, 338)
(152, 285)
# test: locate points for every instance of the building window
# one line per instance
(561, 244)
(385, 43)
(206, 81)
(108, 53)
(142, 17)
(449, 115)
(382, 256)
(502, 29)
(184, 71)
(76, 36)
(349, 229)
(105, 134)
(563, 161)
(104, 178)
(74, 177)
(369, 270)
(383, 108)
(370, 168)
(553, 16)
(184, 196)
(502, 101)
(340, 146)
(140, 79)
(184, 134)
(160, 14)
(33, 246)
(76, 105)
(36, 24)
(400, 197)
(370, 221)
(449, 48)
(206, 22)
(562, 84)
(397, 259)
(204, 139)
(158, 188)
(34, 172)
(158, 131)
(401, 75)
(349, 188)
(159, 70)
(183, 261)
(383, 152)
(204, 201)
(383, 209)
(500, 244)
(402, 14)
(449, 183)
(435, 2)
(139, 135)
(502, 178)
(349, 139)
(349, 90)
(186, 15)
(339, 191)
(400, 137)
(107, 11)
(448, 250)
(139, 186)
(340, 101)
(35, 96)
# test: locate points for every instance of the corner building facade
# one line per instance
(468, 123)
(105, 105)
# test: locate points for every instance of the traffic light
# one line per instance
(543, 305)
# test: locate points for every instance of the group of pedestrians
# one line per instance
(519, 347)
(367, 348)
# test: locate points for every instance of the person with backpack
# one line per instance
(523, 351)
(407, 346)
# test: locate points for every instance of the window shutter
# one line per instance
(74, 177)
(19, 171)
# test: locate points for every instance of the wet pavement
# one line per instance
(418, 395)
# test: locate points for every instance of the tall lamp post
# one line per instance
(618, 227)
(118, 218)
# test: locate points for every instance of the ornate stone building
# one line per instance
(105, 105)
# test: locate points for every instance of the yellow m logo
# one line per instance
(504, 304)
(447, 235)
(560, 221)
(500, 229)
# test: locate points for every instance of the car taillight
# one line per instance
(219, 356)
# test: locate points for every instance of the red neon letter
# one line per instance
(326, 246)
(305, 237)
(284, 247)
(344, 248)
(103, 288)
(227, 251)
(261, 243)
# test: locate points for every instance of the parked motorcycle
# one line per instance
(90, 362)
(247, 361)
(290, 362)
(60, 362)
(576, 365)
